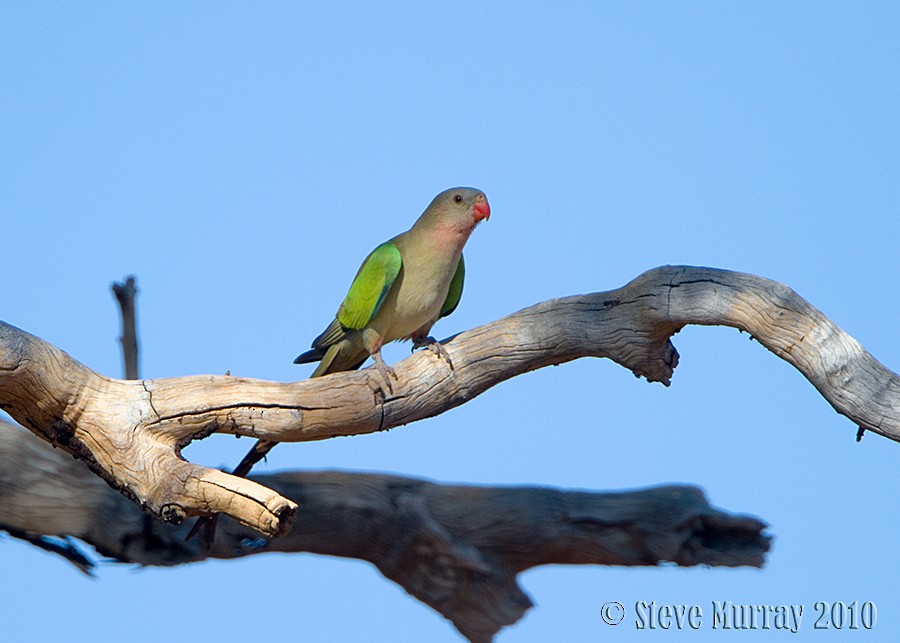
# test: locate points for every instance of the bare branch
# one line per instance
(111, 425)
(64, 547)
(458, 549)
(131, 432)
(125, 294)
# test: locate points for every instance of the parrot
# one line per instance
(402, 288)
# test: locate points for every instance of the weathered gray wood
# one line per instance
(130, 433)
(456, 548)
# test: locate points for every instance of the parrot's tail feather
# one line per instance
(327, 359)
(335, 360)
(308, 357)
(331, 335)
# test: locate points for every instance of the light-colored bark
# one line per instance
(131, 433)
(457, 548)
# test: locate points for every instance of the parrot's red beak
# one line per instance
(482, 208)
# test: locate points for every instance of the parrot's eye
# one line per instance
(457, 199)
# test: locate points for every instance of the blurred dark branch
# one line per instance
(62, 546)
(125, 294)
(456, 548)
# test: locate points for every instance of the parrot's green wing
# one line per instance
(370, 287)
(456, 288)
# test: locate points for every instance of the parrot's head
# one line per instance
(463, 208)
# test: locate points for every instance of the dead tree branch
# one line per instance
(125, 295)
(458, 549)
(131, 433)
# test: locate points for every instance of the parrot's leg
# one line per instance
(429, 342)
(384, 370)
(373, 341)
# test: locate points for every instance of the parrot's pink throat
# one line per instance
(482, 208)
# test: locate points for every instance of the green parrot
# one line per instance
(402, 288)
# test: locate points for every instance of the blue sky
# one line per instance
(241, 160)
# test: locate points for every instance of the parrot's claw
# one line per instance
(385, 371)
(434, 346)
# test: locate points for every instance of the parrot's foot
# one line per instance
(385, 371)
(434, 346)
